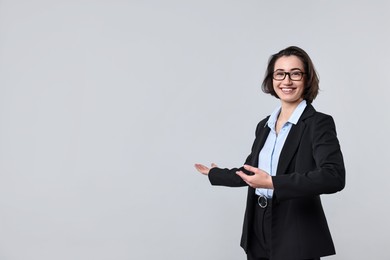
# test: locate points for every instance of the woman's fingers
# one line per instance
(202, 169)
(250, 168)
(260, 179)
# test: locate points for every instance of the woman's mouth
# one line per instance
(287, 90)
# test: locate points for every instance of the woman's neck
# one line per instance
(287, 110)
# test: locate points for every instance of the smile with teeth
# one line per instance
(287, 90)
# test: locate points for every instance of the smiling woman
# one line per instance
(295, 158)
(288, 90)
(298, 61)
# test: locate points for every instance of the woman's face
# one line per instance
(289, 91)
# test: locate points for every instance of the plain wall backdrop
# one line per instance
(106, 105)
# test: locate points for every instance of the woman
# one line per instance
(295, 158)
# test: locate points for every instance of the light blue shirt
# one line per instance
(270, 153)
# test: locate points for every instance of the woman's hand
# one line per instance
(259, 179)
(204, 169)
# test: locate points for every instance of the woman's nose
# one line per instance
(287, 78)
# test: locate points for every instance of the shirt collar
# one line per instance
(293, 118)
(297, 112)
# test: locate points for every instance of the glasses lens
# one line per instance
(279, 75)
(296, 75)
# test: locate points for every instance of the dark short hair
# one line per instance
(311, 77)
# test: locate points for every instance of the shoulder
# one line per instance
(311, 115)
(262, 125)
(263, 122)
(318, 123)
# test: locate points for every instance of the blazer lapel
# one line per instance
(293, 140)
(290, 146)
(262, 136)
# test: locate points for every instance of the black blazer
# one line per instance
(310, 164)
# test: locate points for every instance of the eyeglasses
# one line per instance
(295, 75)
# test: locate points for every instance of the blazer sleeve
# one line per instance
(228, 177)
(319, 166)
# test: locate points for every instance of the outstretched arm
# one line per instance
(229, 177)
(221, 177)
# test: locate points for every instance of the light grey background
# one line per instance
(106, 105)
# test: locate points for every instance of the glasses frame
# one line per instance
(289, 75)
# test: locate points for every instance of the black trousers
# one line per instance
(260, 240)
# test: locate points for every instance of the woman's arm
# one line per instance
(319, 166)
(229, 177)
